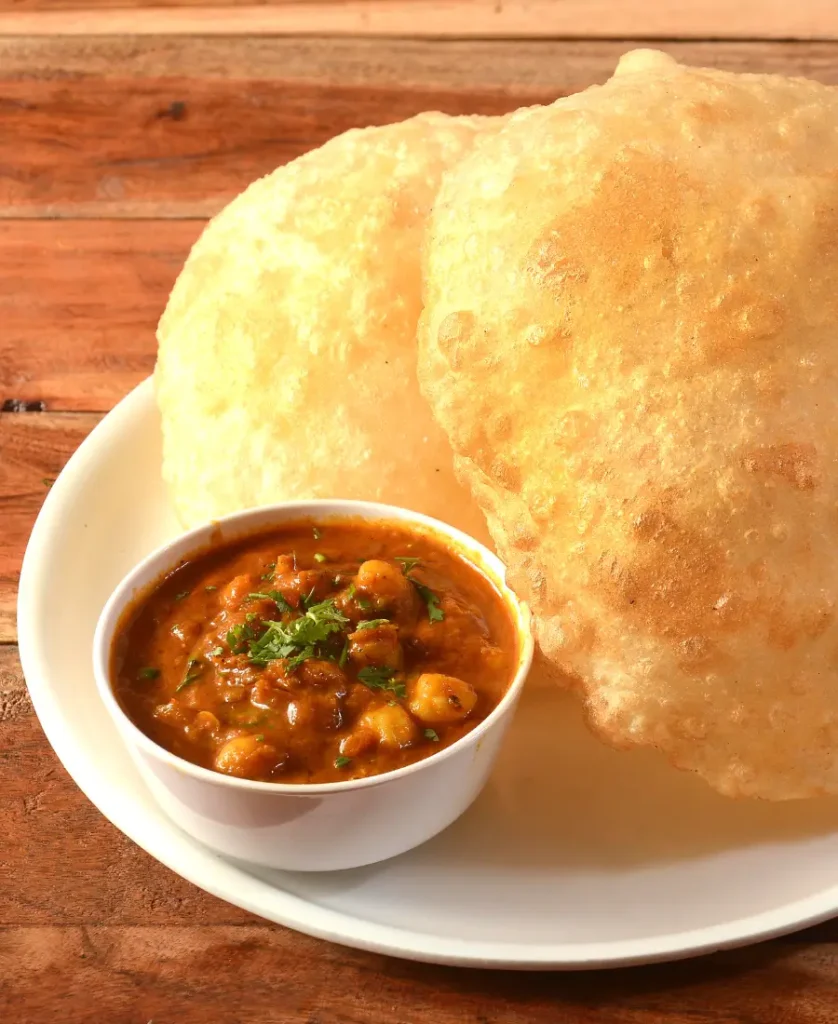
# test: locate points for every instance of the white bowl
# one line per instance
(325, 826)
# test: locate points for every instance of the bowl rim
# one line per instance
(167, 556)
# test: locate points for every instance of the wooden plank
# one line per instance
(256, 974)
(510, 67)
(183, 147)
(79, 306)
(33, 449)
(175, 128)
(754, 19)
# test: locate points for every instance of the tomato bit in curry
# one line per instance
(315, 653)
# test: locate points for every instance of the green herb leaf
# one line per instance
(435, 613)
(298, 640)
(210, 588)
(238, 637)
(350, 591)
(344, 654)
(380, 677)
(269, 573)
(149, 673)
(376, 676)
(182, 595)
(372, 623)
(342, 761)
(272, 595)
(193, 669)
(317, 534)
(297, 659)
(260, 738)
(319, 557)
(364, 604)
(431, 735)
(407, 564)
(216, 652)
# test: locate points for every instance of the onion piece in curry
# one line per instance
(315, 653)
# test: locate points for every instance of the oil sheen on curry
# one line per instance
(315, 653)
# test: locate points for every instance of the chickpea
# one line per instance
(270, 691)
(386, 586)
(378, 645)
(235, 592)
(321, 673)
(246, 757)
(437, 698)
(296, 585)
(204, 724)
(357, 742)
(314, 713)
(391, 724)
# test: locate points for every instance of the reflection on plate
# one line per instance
(575, 855)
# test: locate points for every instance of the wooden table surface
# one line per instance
(121, 130)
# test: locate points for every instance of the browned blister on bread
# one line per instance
(631, 339)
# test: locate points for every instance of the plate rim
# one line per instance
(237, 886)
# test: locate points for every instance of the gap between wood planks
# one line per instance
(520, 19)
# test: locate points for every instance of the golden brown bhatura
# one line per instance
(631, 339)
(287, 352)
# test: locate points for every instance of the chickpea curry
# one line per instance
(315, 653)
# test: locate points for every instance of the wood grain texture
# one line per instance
(715, 19)
(174, 128)
(79, 306)
(89, 912)
(33, 450)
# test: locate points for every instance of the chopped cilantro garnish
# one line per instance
(272, 595)
(268, 574)
(344, 654)
(320, 557)
(216, 652)
(407, 564)
(435, 613)
(182, 595)
(342, 761)
(380, 677)
(372, 623)
(431, 735)
(149, 673)
(297, 640)
(350, 591)
(364, 604)
(260, 738)
(210, 588)
(238, 637)
(193, 670)
(317, 534)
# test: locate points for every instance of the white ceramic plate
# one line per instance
(575, 855)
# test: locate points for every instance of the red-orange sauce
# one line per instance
(315, 653)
